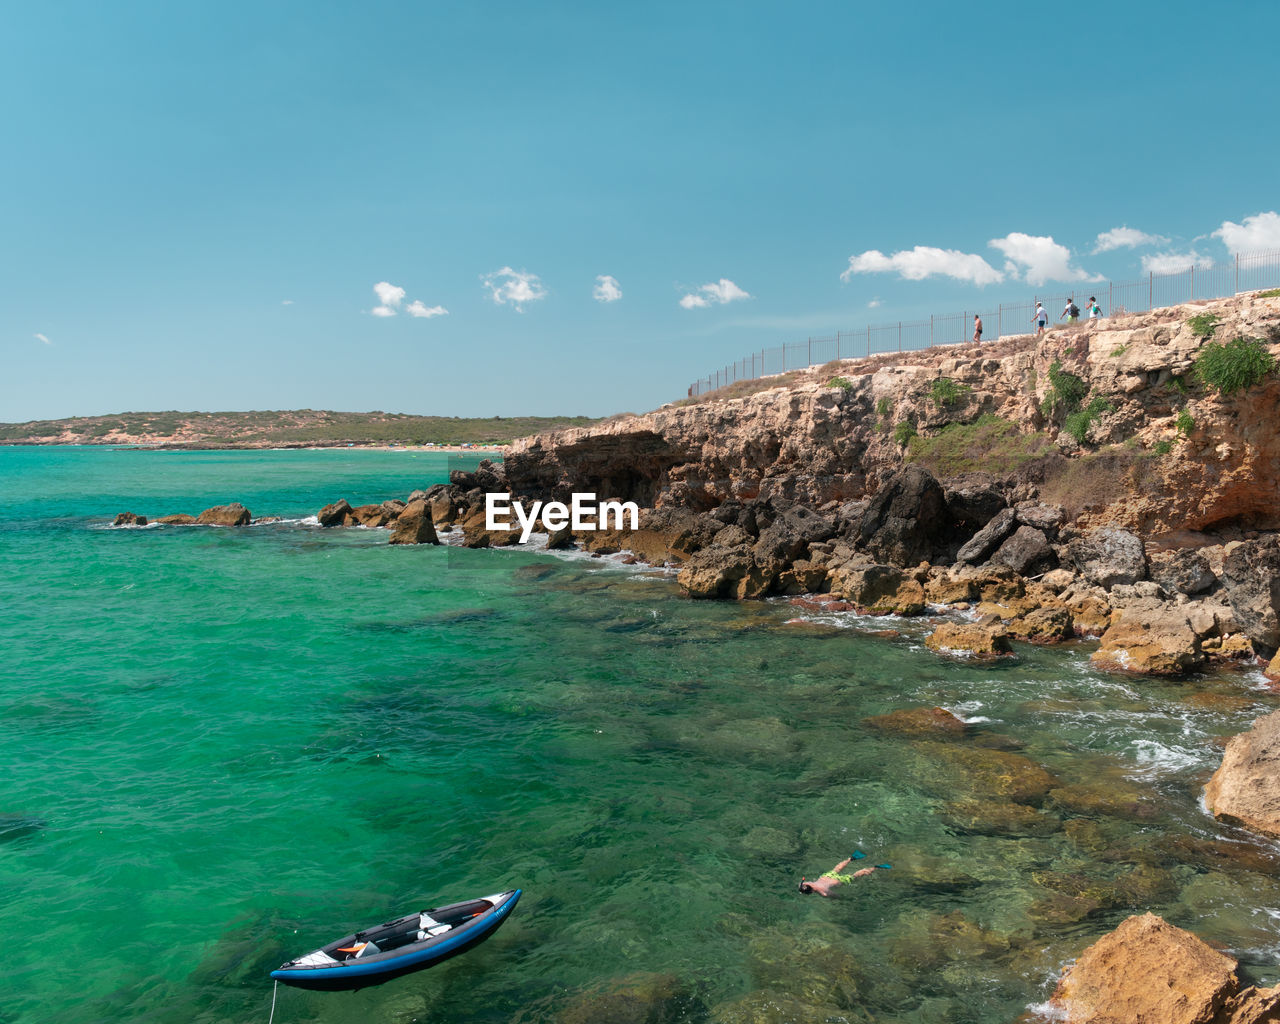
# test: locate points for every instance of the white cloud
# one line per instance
(418, 308)
(1261, 231)
(390, 296)
(925, 261)
(1036, 259)
(718, 293)
(41, 337)
(607, 289)
(1126, 238)
(287, 302)
(1172, 262)
(874, 303)
(514, 287)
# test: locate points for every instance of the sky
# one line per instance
(578, 209)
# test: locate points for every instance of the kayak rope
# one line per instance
(274, 989)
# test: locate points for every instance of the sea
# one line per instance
(221, 748)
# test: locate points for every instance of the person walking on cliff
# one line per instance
(1095, 311)
(833, 879)
(977, 328)
(1071, 311)
(1041, 319)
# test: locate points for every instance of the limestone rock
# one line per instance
(640, 998)
(129, 519)
(1109, 556)
(907, 520)
(878, 589)
(1182, 571)
(789, 535)
(337, 514)
(723, 572)
(234, 514)
(968, 639)
(1251, 575)
(371, 515)
(1150, 638)
(414, 525)
(1026, 552)
(1246, 787)
(1146, 970)
(178, 519)
(983, 544)
(1043, 625)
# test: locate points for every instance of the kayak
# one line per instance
(410, 943)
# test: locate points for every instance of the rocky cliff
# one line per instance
(1103, 418)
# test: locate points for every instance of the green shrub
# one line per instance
(1066, 392)
(1178, 384)
(1119, 350)
(945, 391)
(1077, 424)
(1274, 293)
(904, 432)
(989, 444)
(1185, 423)
(1162, 447)
(1203, 324)
(843, 383)
(1239, 364)
(883, 406)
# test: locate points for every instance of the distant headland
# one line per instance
(298, 428)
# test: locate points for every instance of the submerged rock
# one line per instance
(917, 722)
(640, 998)
(1246, 787)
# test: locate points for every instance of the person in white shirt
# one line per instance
(1095, 311)
(1041, 319)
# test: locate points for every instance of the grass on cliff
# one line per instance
(990, 444)
(1094, 481)
(1236, 366)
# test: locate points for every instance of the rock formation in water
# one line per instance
(1246, 787)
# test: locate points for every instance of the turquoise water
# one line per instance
(243, 743)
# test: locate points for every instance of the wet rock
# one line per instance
(234, 514)
(907, 520)
(129, 519)
(788, 537)
(969, 639)
(1026, 552)
(802, 578)
(414, 526)
(1109, 556)
(337, 514)
(1042, 626)
(1251, 576)
(1104, 797)
(1152, 639)
(927, 941)
(817, 968)
(1146, 970)
(372, 516)
(878, 589)
(1246, 787)
(560, 540)
(723, 572)
(640, 998)
(1182, 571)
(768, 1007)
(179, 519)
(983, 544)
(1090, 610)
(476, 532)
(918, 722)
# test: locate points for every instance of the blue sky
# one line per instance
(197, 201)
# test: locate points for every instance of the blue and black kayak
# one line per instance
(408, 944)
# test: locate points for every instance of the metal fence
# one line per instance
(1247, 272)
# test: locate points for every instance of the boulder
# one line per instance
(1109, 556)
(234, 514)
(1181, 571)
(371, 515)
(1251, 576)
(1045, 518)
(476, 533)
(907, 520)
(1245, 789)
(337, 514)
(788, 537)
(1044, 625)
(723, 572)
(414, 525)
(1027, 552)
(560, 540)
(179, 519)
(673, 533)
(972, 508)
(394, 506)
(983, 544)
(878, 589)
(969, 640)
(129, 519)
(1146, 970)
(1151, 638)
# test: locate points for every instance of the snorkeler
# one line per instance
(832, 879)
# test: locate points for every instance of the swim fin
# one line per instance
(857, 855)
